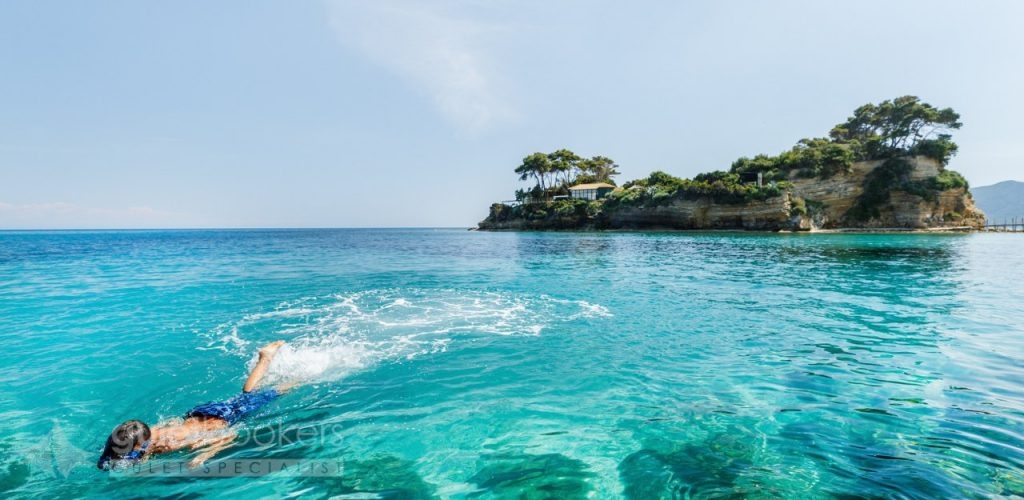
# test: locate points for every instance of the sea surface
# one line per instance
(455, 364)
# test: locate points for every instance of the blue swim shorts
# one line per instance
(235, 408)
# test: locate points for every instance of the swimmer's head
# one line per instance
(126, 444)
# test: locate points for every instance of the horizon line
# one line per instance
(238, 228)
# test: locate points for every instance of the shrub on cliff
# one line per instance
(798, 206)
(660, 188)
(500, 212)
(810, 158)
(877, 187)
(894, 174)
(941, 148)
(948, 179)
(570, 207)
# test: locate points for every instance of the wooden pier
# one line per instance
(1014, 225)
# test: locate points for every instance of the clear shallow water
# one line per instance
(494, 365)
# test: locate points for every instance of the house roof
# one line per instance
(594, 185)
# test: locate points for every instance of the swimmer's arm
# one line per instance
(210, 448)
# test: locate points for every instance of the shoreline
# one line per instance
(956, 230)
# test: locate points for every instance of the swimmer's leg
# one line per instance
(267, 353)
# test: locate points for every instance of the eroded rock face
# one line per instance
(769, 215)
(828, 203)
(830, 200)
(809, 204)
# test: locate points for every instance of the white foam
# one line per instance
(304, 361)
(328, 338)
(288, 312)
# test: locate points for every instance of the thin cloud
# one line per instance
(437, 51)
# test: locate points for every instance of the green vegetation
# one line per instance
(819, 158)
(892, 175)
(890, 131)
(558, 214)
(904, 126)
(798, 206)
(948, 179)
(660, 188)
(894, 130)
(555, 172)
(879, 183)
(548, 204)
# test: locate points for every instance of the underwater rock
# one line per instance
(383, 476)
(707, 469)
(526, 476)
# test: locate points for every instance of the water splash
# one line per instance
(330, 337)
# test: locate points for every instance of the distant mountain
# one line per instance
(1002, 201)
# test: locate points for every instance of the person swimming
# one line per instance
(206, 427)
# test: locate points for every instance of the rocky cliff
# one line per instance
(908, 194)
(915, 201)
(769, 215)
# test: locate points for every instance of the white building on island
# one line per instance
(591, 191)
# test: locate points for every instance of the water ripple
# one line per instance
(455, 364)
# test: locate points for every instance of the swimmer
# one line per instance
(206, 427)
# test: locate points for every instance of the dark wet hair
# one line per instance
(123, 441)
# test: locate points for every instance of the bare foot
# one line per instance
(270, 349)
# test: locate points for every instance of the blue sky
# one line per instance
(380, 113)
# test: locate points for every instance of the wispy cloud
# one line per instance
(60, 215)
(440, 52)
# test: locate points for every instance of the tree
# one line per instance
(564, 164)
(537, 166)
(597, 169)
(553, 172)
(895, 126)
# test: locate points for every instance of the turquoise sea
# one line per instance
(455, 364)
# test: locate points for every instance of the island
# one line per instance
(882, 169)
